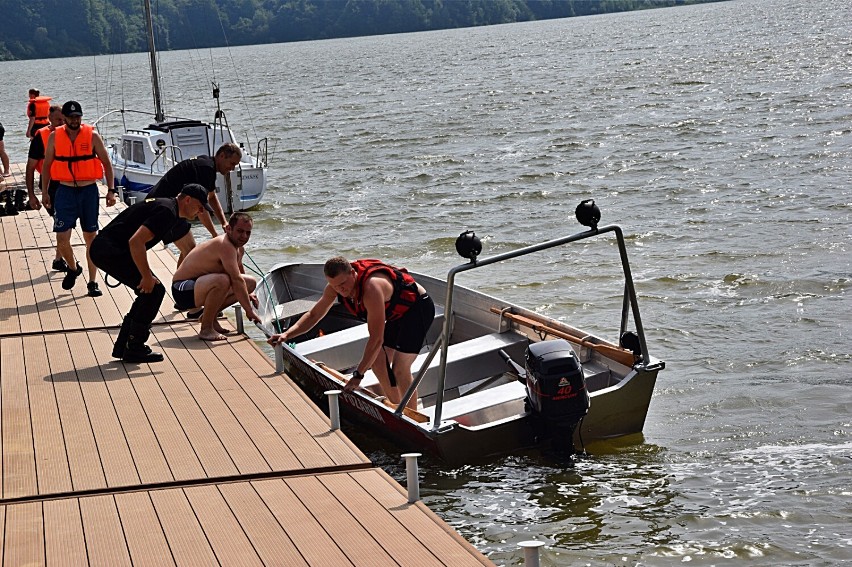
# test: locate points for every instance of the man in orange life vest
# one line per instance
(398, 313)
(35, 161)
(77, 158)
(37, 111)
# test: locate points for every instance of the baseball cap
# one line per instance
(72, 108)
(197, 191)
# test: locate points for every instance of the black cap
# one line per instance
(72, 108)
(197, 191)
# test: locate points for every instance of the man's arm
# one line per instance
(49, 152)
(204, 217)
(230, 262)
(213, 199)
(140, 257)
(103, 155)
(30, 180)
(307, 321)
(373, 297)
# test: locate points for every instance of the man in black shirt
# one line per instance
(201, 170)
(120, 250)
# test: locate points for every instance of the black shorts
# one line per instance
(178, 231)
(184, 294)
(408, 333)
(2, 132)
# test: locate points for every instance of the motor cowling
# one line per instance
(557, 389)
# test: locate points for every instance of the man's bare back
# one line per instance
(207, 258)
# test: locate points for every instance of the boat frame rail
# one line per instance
(629, 306)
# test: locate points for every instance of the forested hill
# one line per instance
(62, 28)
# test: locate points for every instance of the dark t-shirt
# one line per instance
(157, 215)
(201, 170)
(36, 148)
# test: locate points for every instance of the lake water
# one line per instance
(718, 136)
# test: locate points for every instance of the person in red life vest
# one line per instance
(398, 312)
(38, 109)
(35, 162)
(77, 158)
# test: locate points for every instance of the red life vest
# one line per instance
(45, 134)
(77, 161)
(404, 295)
(42, 109)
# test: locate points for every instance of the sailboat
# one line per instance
(141, 156)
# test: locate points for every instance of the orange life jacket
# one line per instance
(45, 133)
(77, 161)
(42, 109)
(404, 295)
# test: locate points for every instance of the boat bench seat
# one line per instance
(296, 307)
(476, 408)
(471, 360)
(343, 349)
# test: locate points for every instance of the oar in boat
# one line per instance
(619, 355)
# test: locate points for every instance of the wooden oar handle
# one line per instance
(620, 355)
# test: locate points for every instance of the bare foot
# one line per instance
(220, 329)
(211, 336)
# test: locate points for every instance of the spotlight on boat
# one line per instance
(468, 245)
(588, 214)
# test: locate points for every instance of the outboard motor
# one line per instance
(557, 390)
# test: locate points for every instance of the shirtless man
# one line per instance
(212, 276)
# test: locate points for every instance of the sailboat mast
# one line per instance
(159, 115)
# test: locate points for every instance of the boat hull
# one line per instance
(620, 396)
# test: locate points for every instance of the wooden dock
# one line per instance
(207, 458)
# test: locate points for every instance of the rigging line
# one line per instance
(269, 303)
(237, 75)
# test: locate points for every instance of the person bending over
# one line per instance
(398, 312)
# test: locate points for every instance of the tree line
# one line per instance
(38, 29)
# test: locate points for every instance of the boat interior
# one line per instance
(480, 387)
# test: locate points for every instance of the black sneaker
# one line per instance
(71, 277)
(94, 291)
(60, 265)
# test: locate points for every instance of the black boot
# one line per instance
(121, 340)
(19, 200)
(10, 204)
(136, 349)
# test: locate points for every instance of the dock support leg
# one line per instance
(238, 312)
(531, 549)
(412, 475)
(334, 408)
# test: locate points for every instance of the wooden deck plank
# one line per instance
(9, 226)
(10, 324)
(80, 446)
(212, 454)
(153, 432)
(441, 540)
(238, 442)
(23, 272)
(112, 444)
(51, 461)
(145, 539)
(398, 542)
(19, 473)
(24, 539)
(300, 525)
(353, 538)
(255, 422)
(226, 536)
(64, 542)
(266, 534)
(187, 542)
(105, 540)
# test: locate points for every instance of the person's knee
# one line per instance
(251, 283)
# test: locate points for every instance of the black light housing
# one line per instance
(588, 214)
(468, 245)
